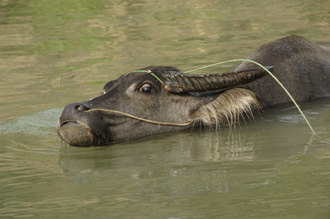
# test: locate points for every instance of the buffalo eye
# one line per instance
(146, 88)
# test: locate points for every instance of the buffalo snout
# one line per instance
(75, 125)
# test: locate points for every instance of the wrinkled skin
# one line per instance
(303, 67)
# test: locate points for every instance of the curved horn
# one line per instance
(184, 83)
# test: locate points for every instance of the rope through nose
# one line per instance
(141, 119)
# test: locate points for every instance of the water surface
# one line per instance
(57, 52)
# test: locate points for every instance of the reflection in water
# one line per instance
(237, 144)
(175, 150)
(174, 163)
(178, 150)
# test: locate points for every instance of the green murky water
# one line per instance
(56, 52)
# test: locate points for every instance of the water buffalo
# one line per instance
(160, 99)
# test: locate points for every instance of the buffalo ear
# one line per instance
(107, 87)
(227, 108)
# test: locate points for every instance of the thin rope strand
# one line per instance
(149, 72)
(205, 67)
(157, 78)
(141, 119)
(271, 74)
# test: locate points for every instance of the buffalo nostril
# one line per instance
(81, 107)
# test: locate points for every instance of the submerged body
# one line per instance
(160, 99)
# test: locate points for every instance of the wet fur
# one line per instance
(228, 108)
